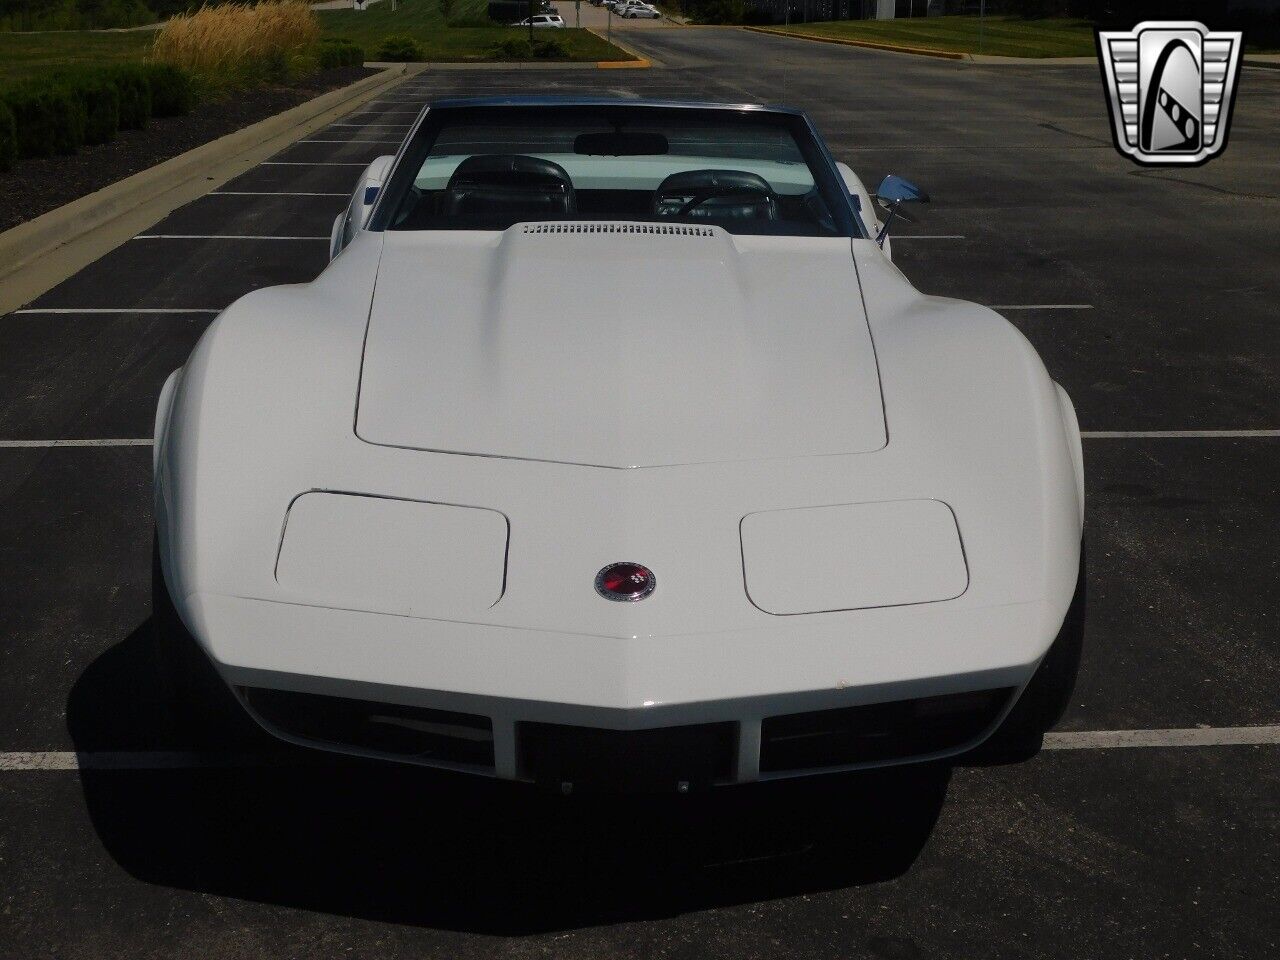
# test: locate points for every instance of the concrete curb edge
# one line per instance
(641, 62)
(39, 254)
(870, 44)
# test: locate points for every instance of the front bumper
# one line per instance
(536, 700)
(679, 758)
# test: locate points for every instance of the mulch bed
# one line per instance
(39, 185)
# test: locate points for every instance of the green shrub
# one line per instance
(513, 48)
(173, 90)
(542, 48)
(8, 139)
(72, 14)
(135, 94)
(719, 11)
(100, 98)
(339, 52)
(48, 119)
(550, 47)
(400, 49)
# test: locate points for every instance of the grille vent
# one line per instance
(645, 229)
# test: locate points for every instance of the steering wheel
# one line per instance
(494, 183)
(719, 194)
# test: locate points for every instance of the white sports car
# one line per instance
(611, 449)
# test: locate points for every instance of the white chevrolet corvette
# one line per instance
(611, 449)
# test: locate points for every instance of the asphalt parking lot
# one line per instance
(1151, 296)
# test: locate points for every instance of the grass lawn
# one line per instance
(421, 19)
(26, 54)
(1000, 36)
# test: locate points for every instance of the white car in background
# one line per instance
(611, 449)
(552, 20)
(633, 10)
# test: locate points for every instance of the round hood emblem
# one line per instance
(625, 582)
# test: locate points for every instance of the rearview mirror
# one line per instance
(892, 193)
(633, 143)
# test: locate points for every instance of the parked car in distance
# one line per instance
(640, 11)
(543, 20)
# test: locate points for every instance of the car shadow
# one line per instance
(409, 845)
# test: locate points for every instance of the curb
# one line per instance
(37, 255)
(869, 44)
(537, 66)
(1265, 64)
(640, 61)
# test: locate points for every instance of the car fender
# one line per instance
(1071, 428)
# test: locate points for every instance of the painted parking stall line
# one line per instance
(1043, 306)
(1194, 737)
(312, 163)
(1177, 434)
(1085, 434)
(119, 442)
(19, 761)
(114, 310)
(272, 193)
(218, 236)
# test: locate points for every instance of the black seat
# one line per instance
(509, 187)
(715, 195)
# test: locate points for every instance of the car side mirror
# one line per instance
(352, 220)
(892, 193)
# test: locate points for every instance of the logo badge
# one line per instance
(625, 582)
(1170, 88)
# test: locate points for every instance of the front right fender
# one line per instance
(163, 407)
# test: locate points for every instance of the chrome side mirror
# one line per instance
(892, 193)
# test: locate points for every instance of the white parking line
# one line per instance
(127, 442)
(271, 193)
(311, 163)
(216, 236)
(20, 760)
(1085, 434)
(1196, 737)
(1042, 306)
(118, 760)
(54, 310)
(928, 236)
(1171, 434)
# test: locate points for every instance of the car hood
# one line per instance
(619, 345)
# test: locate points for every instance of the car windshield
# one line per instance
(488, 167)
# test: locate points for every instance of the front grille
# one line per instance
(644, 229)
(658, 759)
(877, 731)
(390, 729)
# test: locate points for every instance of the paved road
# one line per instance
(1142, 852)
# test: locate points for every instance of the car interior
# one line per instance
(493, 191)
(617, 175)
